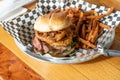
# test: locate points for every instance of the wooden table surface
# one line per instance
(12, 68)
(101, 68)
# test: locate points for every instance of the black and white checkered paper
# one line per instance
(21, 28)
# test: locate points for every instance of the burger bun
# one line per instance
(52, 22)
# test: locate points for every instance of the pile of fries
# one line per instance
(87, 26)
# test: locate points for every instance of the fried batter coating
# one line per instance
(42, 37)
(66, 40)
(62, 38)
(60, 35)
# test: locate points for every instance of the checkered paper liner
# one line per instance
(21, 27)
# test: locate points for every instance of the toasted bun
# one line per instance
(54, 22)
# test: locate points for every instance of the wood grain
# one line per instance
(101, 68)
(12, 68)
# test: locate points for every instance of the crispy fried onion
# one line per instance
(59, 38)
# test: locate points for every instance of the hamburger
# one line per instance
(53, 34)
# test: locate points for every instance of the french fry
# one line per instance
(93, 40)
(95, 13)
(95, 34)
(108, 13)
(90, 25)
(94, 24)
(86, 43)
(76, 15)
(91, 17)
(86, 36)
(79, 22)
(100, 31)
(104, 26)
(91, 12)
(89, 35)
(83, 31)
(103, 15)
(84, 46)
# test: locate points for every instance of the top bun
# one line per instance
(52, 22)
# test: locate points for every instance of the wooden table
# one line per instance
(101, 68)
